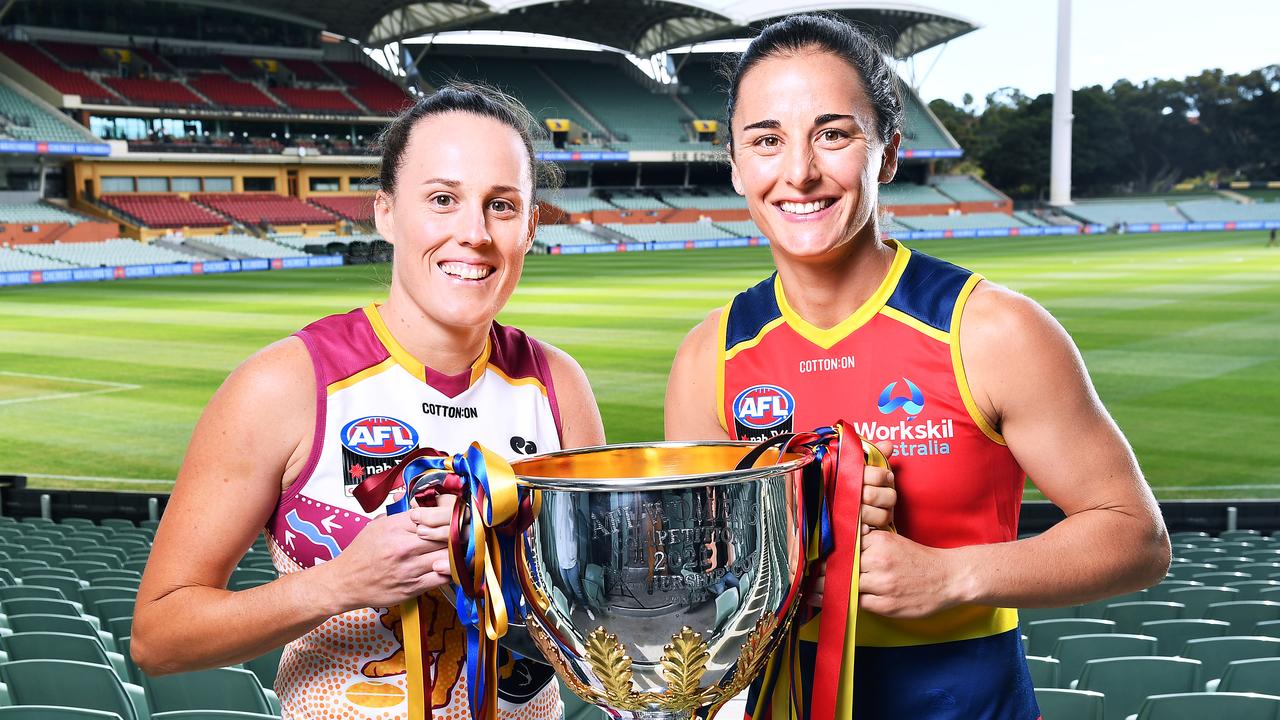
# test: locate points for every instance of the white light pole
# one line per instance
(1060, 145)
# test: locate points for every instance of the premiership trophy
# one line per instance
(659, 577)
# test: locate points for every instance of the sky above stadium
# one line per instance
(1132, 39)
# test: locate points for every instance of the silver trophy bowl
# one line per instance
(660, 576)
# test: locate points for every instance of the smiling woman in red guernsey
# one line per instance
(973, 386)
(298, 425)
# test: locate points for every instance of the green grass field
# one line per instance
(103, 382)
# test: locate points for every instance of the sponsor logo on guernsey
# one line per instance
(522, 446)
(910, 437)
(827, 364)
(371, 445)
(762, 411)
(450, 412)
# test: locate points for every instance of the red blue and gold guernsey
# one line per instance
(893, 370)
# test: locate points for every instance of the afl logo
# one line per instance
(761, 407)
(378, 436)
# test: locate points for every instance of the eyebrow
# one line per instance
(763, 124)
(820, 120)
(457, 183)
(832, 117)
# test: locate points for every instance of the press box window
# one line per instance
(325, 184)
(217, 184)
(363, 185)
(116, 184)
(185, 184)
(153, 184)
(259, 184)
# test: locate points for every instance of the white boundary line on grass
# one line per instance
(111, 387)
(91, 478)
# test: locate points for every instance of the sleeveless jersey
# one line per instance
(374, 404)
(892, 370)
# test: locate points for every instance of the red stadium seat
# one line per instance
(68, 82)
(232, 93)
(163, 211)
(357, 208)
(156, 92)
(256, 208)
(318, 100)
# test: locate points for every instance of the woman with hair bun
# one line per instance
(974, 387)
(298, 425)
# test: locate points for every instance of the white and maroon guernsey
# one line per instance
(374, 404)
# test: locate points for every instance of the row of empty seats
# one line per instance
(258, 208)
(110, 253)
(37, 212)
(67, 592)
(1209, 630)
(163, 211)
(12, 260)
(23, 119)
(960, 221)
(246, 246)
(1228, 211)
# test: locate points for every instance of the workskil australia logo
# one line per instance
(910, 437)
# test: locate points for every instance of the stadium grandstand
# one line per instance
(208, 137)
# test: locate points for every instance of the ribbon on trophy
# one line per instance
(832, 531)
(489, 519)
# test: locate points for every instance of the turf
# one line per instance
(1180, 332)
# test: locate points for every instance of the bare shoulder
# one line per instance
(702, 339)
(994, 314)
(693, 386)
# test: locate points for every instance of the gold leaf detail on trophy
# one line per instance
(683, 663)
(612, 665)
(754, 654)
(553, 655)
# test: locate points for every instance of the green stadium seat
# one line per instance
(106, 555)
(17, 565)
(70, 587)
(101, 576)
(1198, 706)
(1261, 570)
(1042, 635)
(1184, 570)
(68, 683)
(82, 567)
(1185, 535)
(1204, 554)
(245, 578)
(1161, 592)
(1098, 608)
(60, 571)
(118, 523)
(1127, 681)
(40, 622)
(1030, 615)
(47, 606)
(1263, 554)
(120, 626)
(1198, 599)
(149, 524)
(1270, 628)
(136, 565)
(1073, 651)
(1269, 595)
(116, 608)
(1256, 675)
(54, 555)
(1215, 653)
(1220, 578)
(63, 646)
(1244, 615)
(213, 715)
(266, 666)
(76, 522)
(49, 712)
(1172, 635)
(129, 582)
(1044, 671)
(26, 591)
(1253, 589)
(1057, 704)
(1129, 616)
(1247, 534)
(217, 689)
(35, 520)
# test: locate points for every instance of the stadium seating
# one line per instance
(1258, 675)
(69, 683)
(330, 101)
(964, 188)
(1128, 681)
(633, 200)
(148, 91)
(1043, 635)
(551, 235)
(921, 131)
(1073, 651)
(109, 253)
(904, 193)
(1228, 211)
(357, 208)
(23, 119)
(1120, 212)
(741, 228)
(249, 246)
(75, 55)
(256, 208)
(1172, 635)
(163, 211)
(68, 82)
(1069, 704)
(15, 261)
(308, 71)
(614, 99)
(372, 90)
(231, 93)
(968, 221)
(666, 232)
(579, 203)
(704, 199)
(1196, 706)
(37, 212)
(231, 689)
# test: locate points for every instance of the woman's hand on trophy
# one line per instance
(387, 563)
(879, 494)
(817, 580)
(902, 578)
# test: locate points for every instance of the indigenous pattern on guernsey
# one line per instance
(374, 403)
(892, 369)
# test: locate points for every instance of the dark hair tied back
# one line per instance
(833, 34)
(470, 98)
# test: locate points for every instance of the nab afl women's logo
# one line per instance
(760, 408)
(371, 445)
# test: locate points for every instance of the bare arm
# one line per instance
(690, 411)
(579, 416)
(254, 435)
(1027, 374)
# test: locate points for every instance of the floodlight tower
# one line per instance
(1060, 144)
